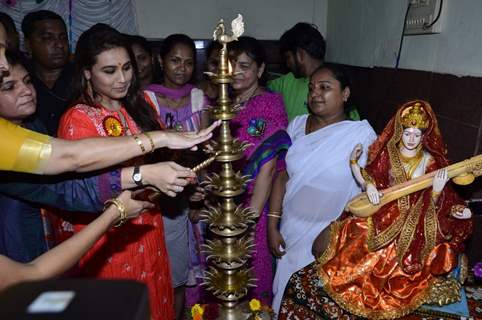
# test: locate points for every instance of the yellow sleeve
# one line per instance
(23, 150)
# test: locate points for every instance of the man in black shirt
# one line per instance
(47, 42)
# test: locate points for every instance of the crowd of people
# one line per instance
(88, 136)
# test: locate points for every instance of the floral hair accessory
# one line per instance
(256, 127)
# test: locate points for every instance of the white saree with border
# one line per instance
(320, 185)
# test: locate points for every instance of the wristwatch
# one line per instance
(137, 176)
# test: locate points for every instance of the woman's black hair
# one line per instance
(140, 41)
(15, 58)
(91, 43)
(253, 49)
(174, 39)
(147, 47)
(339, 72)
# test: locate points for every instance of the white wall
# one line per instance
(367, 33)
(264, 19)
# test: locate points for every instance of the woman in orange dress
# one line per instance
(108, 103)
(389, 264)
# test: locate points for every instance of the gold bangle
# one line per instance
(275, 212)
(457, 208)
(153, 147)
(122, 210)
(436, 193)
(274, 216)
(139, 143)
(353, 161)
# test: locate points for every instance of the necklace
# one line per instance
(174, 104)
(171, 121)
(124, 122)
(410, 164)
(240, 100)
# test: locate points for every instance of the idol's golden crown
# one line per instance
(415, 117)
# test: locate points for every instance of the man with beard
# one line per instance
(47, 43)
(303, 48)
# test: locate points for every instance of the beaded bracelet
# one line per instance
(122, 210)
(153, 147)
(139, 143)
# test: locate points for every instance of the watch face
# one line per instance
(137, 177)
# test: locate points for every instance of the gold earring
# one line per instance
(90, 91)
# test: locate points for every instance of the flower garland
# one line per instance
(211, 311)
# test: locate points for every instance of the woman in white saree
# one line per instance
(318, 181)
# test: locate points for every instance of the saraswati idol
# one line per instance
(399, 253)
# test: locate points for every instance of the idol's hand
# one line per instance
(133, 207)
(276, 242)
(461, 212)
(169, 177)
(184, 140)
(439, 180)
(356, 153)
(373, 194)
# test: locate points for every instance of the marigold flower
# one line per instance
(197, 310)
(254, 305)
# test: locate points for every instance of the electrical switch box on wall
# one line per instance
(424, 17)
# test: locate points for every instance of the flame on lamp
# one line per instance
(230, 67)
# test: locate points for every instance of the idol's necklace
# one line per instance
(410, 164)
